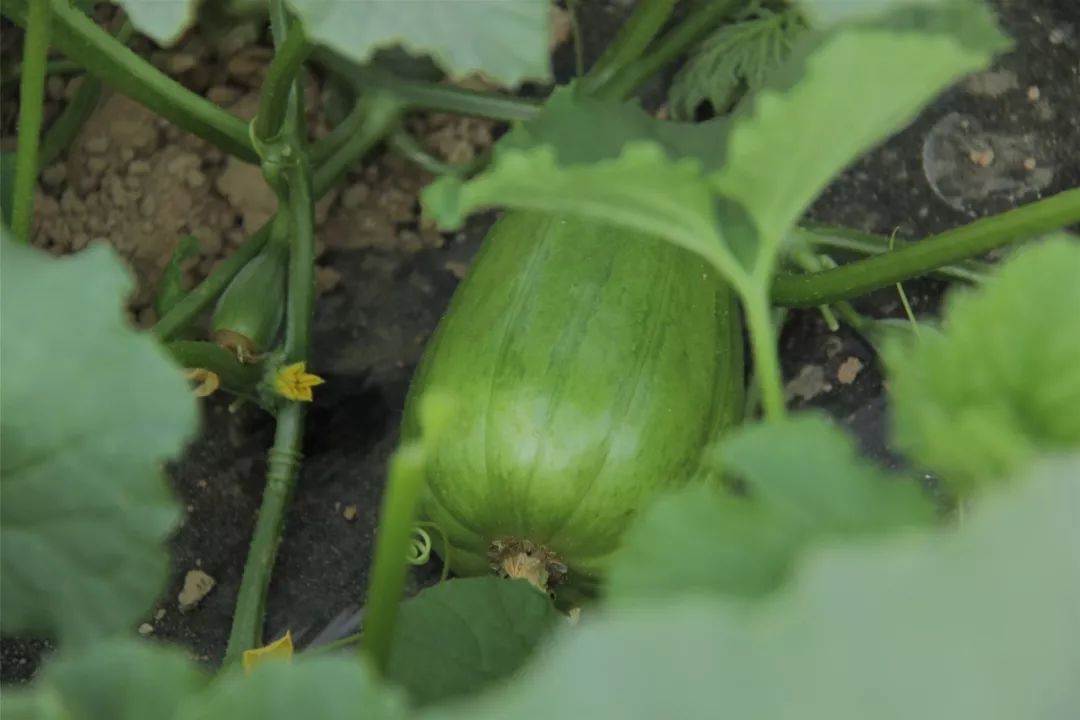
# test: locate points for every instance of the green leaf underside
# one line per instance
(460, 636)
(973, 624)
(1001, 381)
(805, 483)
(736, 59)
(507, 40)
(90, 410)
(131, 679)
(849, 89)
(164, 21)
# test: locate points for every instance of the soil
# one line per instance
(992, 142)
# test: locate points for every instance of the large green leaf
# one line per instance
(463, 635)
(122, 679)
(804, 483)
(321, 688)
(735, 60)
(1001, 382)
(90, 410)
(130, 679)
(165, 21)
(840, 94)
(506, 40)
(606, 160)
(977, 623)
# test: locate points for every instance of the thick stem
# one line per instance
(284, 460)
(693, 29)
(766, 358)
(109, 60)
(274, 95)
(390, 567)
(31, 102)
(430, 96)
(633, 38)
(915, 259)
(285, 455)
(825, 238)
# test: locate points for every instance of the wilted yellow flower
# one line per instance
(295, 383)
(281, 649)
(208, 381)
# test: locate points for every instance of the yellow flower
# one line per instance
(281, 649)
(208, 381)
(295, 383)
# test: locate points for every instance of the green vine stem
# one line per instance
(631, 41)
(763, 343)
(82, 40)
(82, 104)
(827, 237)
(282, 465)
(274, 95)
(915, 259)
(410, 148)
(390, 567)
(382, 113)
(31, 103)
(694, 28)
(297, 198)
(428, 95)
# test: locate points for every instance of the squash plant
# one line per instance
(594, 438)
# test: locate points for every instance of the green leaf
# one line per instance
(463, 635)
(164, 22)
(90, 410)
(605, 160)
(733, 61)
(840, 94)
(1001, 381)
(123, 679)
(507, 41)
(320, 688)
(805, 483)
(977, 623)
(807, 468)
(32, 703)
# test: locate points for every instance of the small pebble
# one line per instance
(146, 629)
(350, 512)
(982, 158)
(1033, 93)
(197, 585)
(1030, 164)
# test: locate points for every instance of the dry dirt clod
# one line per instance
(197, 585)
(808, 384)
(243, 185)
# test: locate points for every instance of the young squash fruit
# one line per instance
(589, 367)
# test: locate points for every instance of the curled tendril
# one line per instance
(420, 547)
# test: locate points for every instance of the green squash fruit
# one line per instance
(250, 313)
(588, 366)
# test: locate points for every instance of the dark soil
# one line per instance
(372, 323)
